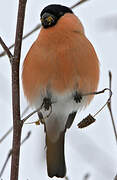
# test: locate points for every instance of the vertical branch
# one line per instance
(110, 108)
(17, 124)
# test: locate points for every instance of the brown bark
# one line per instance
(17, 123)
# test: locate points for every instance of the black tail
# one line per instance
(55, 157)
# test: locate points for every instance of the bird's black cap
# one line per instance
(55, 11)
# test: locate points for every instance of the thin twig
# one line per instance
(29, 115)
(90, 119)
(106, 104)
(6, 49)
(39, 25)
(6, 134)
(100, 109)
(79, 3)
(110, 108)
(25, 139)
(98, 92)
(40, 115)
(10, 153)
(5, 163)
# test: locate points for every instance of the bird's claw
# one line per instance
(47, 103)
(77, 97)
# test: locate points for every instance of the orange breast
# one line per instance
(63, 59)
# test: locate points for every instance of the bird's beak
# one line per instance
(47, 20)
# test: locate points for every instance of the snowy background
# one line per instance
(91, 150)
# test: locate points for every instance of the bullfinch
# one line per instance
(59, 68)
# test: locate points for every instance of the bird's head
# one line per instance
(52, 13)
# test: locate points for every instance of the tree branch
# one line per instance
(6, 49)
(79, 3)
(17, 123)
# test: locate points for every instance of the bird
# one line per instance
(59, 68)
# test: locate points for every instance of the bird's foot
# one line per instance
(77, 97)
(47, 103)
